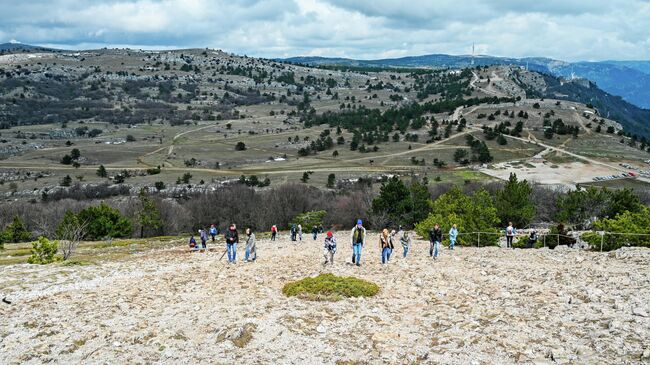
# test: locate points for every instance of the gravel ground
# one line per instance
(471, 306)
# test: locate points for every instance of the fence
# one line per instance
(556, 236)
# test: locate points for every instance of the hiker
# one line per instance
(358, 236)
(204, 238)
(300, 232)
(213, 232)
(232, 237)
(330, 248)
(274, 232)
(405, 240)
(385, 244)
(251, 248)
(453, 234)
(435, 237)
(314, 231)
(293, 232)
(193, 246)
(532, 239)
(510, 234)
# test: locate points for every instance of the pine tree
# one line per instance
(101, 171)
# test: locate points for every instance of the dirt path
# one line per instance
(471, 306)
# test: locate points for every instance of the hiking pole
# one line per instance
(222, 255)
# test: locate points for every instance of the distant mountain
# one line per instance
(628, 79)
(16, 47)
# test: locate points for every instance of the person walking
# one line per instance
(232, 238)
(384, 244)
(358, 236)
(204, 238)
(510, 234)
(314, 231)
(213, 232)
(294, 231)
(251, 248)
(405, 240)
(329, 248)
(274, 232)
(300, 232)
(453, 234)
(435, 237)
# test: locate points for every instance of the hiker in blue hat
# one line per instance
(358, 240)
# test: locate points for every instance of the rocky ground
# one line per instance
(472, 306)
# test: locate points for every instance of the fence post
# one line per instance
(602, 240)
(479, 239)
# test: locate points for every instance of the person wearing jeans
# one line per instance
(405, 240)
(251, 248)
(435, 237)
(453, 234)
(384, 244)
(232, 238)
(358, 237)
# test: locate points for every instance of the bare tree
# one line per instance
(70, 232)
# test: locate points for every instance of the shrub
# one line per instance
(16, 231)
(104, 221)
(43, 251)
(330, 287)
(471, 213)
(626, 222)
(240, 146)
(310, 219)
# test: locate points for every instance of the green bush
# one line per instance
(471, 213)
(626, 222)
(16, 231)
(43, 251)
(330, 287)
(310, 219)
(104, 221)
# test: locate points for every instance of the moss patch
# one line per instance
(330, 288)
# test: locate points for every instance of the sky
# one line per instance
(569, 30)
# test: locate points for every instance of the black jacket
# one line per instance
(435, 235)
(231, 236)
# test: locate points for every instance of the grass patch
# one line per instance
(329, 287)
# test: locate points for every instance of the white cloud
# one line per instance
(564, 29)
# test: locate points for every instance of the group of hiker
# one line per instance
(388, 240)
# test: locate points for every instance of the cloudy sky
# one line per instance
(564, 29)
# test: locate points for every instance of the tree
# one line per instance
(394, 199)
(625, 222)
(240, 146)
(148, 216)
(66, 181)
(43, 251)
(69, 233)
(310, 219)
(159, 185)
(17, 231)
(460, 155)
(420, 202)
(471, 213)
(130, 138)
(104, 221)
(75, 154)
(513, 202)
(101, 171)
(621, 201)
(331, 180)
(305, 176)
(185, 179)
(66, 160)
(581, 207)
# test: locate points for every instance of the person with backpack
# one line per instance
(435, 237)
(510, 234)
(314, 232)
(232, 238)
(251, 248)
(193, 245)
(384, 244)
(532, 239)
(358, 236)
(329, 248)
(453, 234)
(213, 232)
(294, 231)
(405, 240)
(274, 232)
(204, 238)
(300, 232)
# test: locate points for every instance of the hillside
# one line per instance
(628, 79)
(194, 120)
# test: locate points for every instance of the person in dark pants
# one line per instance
(435, 237)
(314, 232)
(510, 234)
